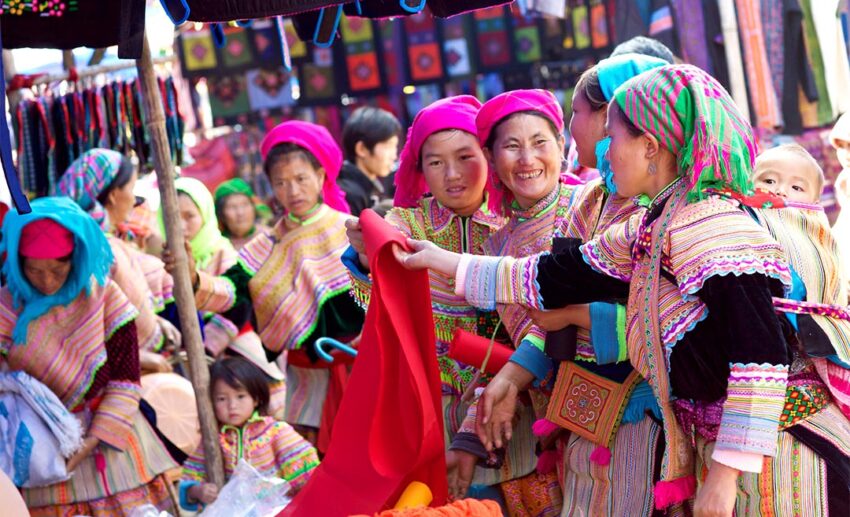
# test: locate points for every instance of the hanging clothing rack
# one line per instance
(26, 81)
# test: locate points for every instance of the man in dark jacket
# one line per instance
(370, 144)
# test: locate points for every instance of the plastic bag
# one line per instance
(148, 510)
(249, 494)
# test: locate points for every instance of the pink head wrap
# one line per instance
(318, 142)
(456, 112)
(45, 239)
(500, 107)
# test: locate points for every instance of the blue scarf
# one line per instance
(92, 257)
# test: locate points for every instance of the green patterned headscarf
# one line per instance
(693, 117)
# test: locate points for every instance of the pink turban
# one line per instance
(318, 142)
(45, 239)
(505, 104)
(451, 113)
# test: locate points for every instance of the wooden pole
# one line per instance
(183, 293)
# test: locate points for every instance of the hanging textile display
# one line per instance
(67, 24)
(598, 25)
(391, 42)
(456, 47)
(526, 39)
(317, 78)
(423, 50)
(581, 26)
(361, 55)
(52, 130)
(492, 38)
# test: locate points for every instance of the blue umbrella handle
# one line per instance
(323, 342)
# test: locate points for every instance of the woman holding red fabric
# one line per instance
(292, 278)
(65, 323)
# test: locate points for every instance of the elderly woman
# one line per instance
(701, 325)
(101, 182)
(240, 214)
(67, 324)
(292, 276)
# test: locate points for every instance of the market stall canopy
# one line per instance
(84, 23)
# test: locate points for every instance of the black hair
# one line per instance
(589, 87)
(630, 126)
(492, 138)
(125, 173)
(645, 46)
(286, 151)
(370, 126)
(237, 373)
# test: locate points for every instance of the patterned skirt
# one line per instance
(130, 475)
(798, 480)
(624, 486)
(306, 390)
(121, 504)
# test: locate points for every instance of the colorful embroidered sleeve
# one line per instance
(294, 455)
(486, 281)
(753, 343)
(113, 419)
(715, 237)
(608, 332)
(216, 293)
(530, 355)
(194, 468)
(361, 281)
(611, 252)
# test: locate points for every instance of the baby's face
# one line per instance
(789, 176)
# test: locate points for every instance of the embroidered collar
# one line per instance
(539, 208)
(441, 217)
(240, 432)
(312, 215)
(644, 201)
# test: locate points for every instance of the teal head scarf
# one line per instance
(91, 259)
(613, 72)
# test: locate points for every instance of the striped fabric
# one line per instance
(432, 222)
(270, 446)
(295, 273)
(759, 80)
(306, 390)
(125, 273)
(65, 348)
(113, 419)
(526, 233)
(156, 493)
(87, 177)
(135, 468)
(793, 482)
(755, 397)
(623, 487)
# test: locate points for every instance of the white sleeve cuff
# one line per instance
(460, 275)
(743, 461)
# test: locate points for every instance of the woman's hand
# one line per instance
(460, 466)
(497, 405)
(170, 261)
(355, 238)
(151, 362)
(427, 255)
(205, 493)
(557, 319)
(173, 338)
(716, 497)
(89, 444)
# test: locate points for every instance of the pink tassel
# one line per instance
(668, 493)
(601, 456)
(544, 427)
(546, 462)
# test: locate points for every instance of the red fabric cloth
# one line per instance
(469, 348)
(389, 428)
(45, 239)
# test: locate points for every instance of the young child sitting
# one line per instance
(240, 397)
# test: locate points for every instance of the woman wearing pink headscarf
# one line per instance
(442, 157)
(291, 277)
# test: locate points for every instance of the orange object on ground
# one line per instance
(462, 508)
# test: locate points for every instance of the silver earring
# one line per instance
(652, 169)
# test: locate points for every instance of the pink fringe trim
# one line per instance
(546, 462)
(544, 427)
(668, 493)
(601, 456)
